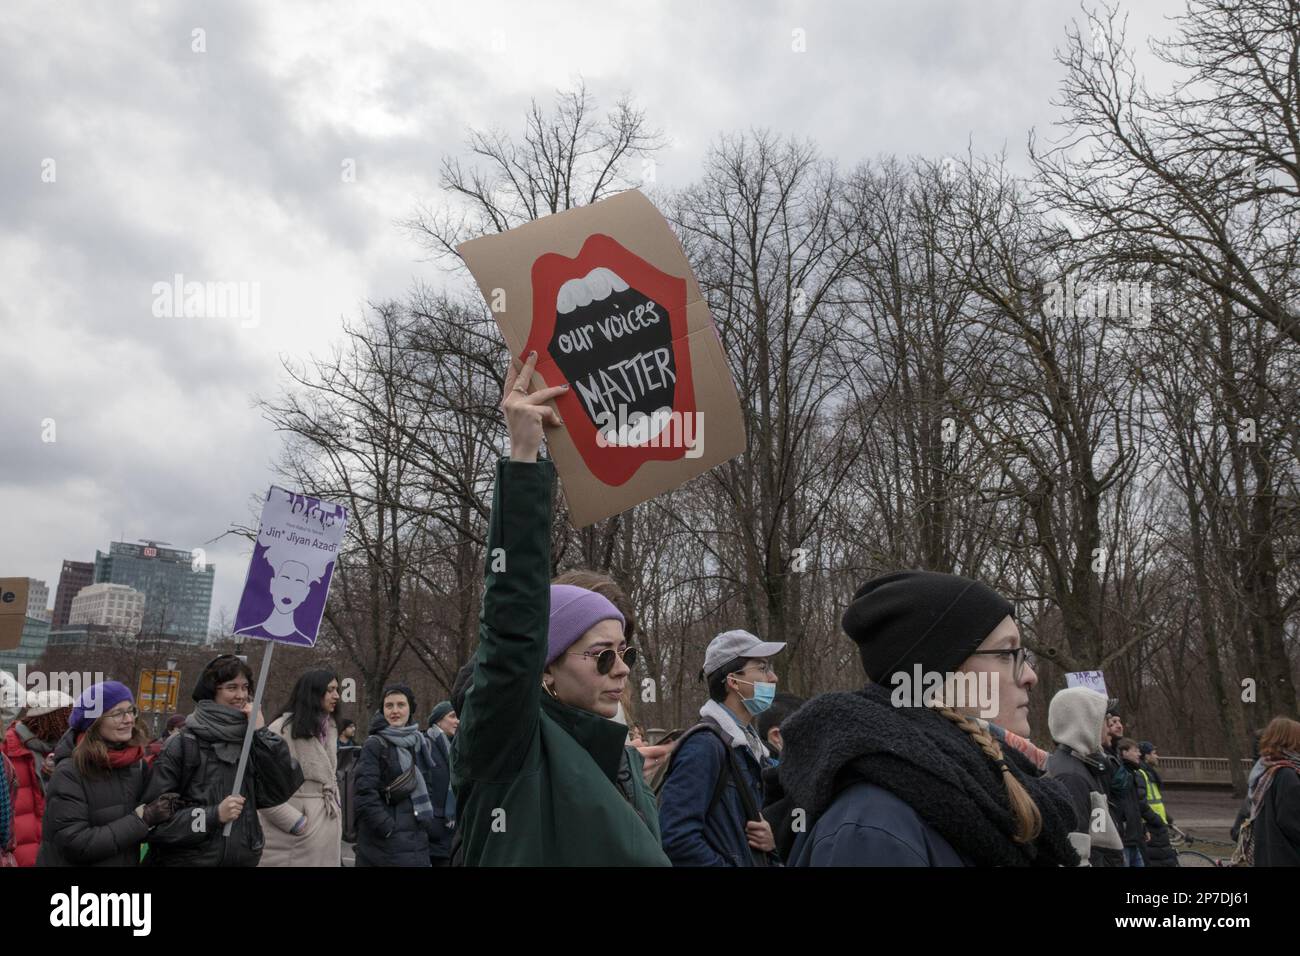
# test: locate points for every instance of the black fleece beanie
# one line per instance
(906, 618)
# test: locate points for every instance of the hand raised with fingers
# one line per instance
(527, 412)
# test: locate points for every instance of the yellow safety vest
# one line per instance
(1155, 799)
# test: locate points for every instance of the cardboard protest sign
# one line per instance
(1090, 679)
(289, 574)
(606, 298)
(13, 611)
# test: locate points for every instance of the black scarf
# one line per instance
(929, 763)
(221, 726)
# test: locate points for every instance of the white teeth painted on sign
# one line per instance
(639, 429)
(599, 283)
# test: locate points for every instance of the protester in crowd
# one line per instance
(1160, 850)
(778, 808)
(200, 764)
(1275, 801)
(1134, 815)
(8, 798)
(1149, 776)
(12, 697)
(537, 758)
(348, 733)
(29, 744)
(95, 812)
(918, 785)
(652, 758)
(1076, 719)
(709, 807)
(397, 820)
(173, 727)
(445, 719)
(1114, 733)
(443, 723)
(307, 829)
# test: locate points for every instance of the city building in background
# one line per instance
(177, 588)
(115, 606)
(38, 600)
(36, 635)
(74, 576)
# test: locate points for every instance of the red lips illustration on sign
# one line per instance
(609, 324)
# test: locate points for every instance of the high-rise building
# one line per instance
(111, 605)
(74, 576)
(38, 600)
(177, 588)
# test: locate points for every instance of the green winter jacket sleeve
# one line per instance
(503, 705)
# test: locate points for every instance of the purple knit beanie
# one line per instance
(96, 701)
(574, 611)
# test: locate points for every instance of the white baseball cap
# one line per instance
(729, 645)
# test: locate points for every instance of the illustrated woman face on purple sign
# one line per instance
(289, 575)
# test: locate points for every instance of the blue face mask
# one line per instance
(764, 694)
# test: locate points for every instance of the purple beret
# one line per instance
(574, 611)
(96, 701)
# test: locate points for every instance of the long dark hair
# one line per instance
(304, 704)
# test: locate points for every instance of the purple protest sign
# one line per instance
(289, 575)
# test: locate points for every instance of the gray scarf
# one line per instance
(220, 726)
(412, 745)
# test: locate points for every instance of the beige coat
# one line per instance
(320, 843)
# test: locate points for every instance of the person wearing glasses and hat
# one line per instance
(709, 807)
(890, 780)
(536, 759)
(95, 812)
(200, 763)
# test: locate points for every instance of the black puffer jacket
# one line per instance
(386, 835)
(192, 767)
(91, 821)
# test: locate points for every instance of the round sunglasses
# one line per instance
(605, 659)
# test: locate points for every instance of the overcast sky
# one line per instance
(225, 166)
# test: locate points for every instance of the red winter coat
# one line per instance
(30, 805)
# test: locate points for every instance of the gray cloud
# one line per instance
(225, 166)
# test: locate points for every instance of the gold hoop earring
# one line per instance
(549, 689)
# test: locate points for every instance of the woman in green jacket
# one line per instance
(535, 763)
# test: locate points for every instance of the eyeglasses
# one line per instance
(762, 663)
(119, 714)
(1020, 657)
(605, 658)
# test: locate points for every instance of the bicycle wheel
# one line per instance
(1195, 858)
